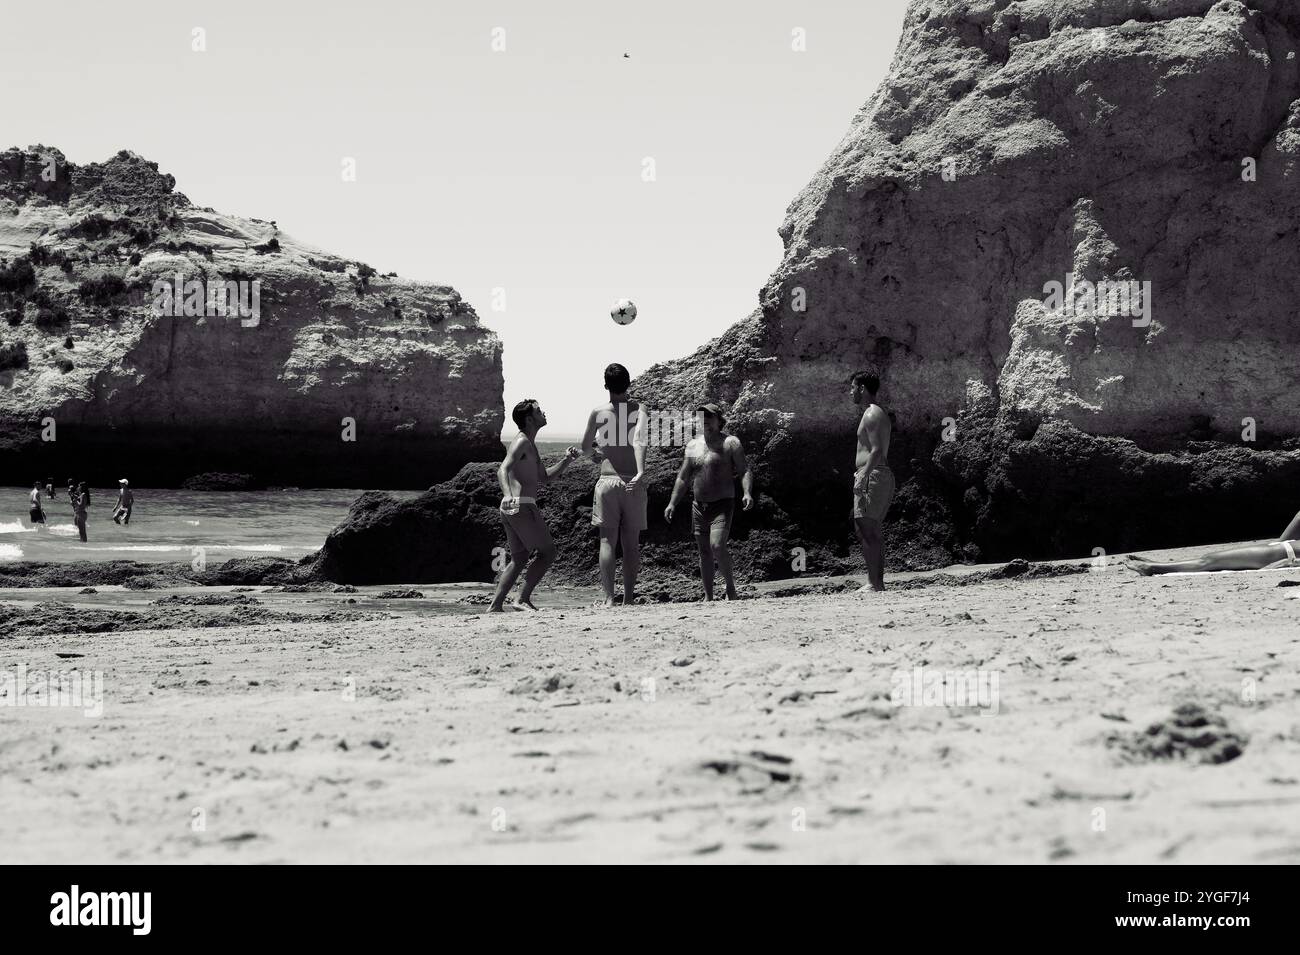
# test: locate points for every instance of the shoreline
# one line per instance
(273, 570)
(90, 596)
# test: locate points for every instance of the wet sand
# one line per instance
(760, 731)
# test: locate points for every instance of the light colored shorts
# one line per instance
(526, 530)
(873, 501)
(614, 506)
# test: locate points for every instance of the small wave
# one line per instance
(193, 523)
(187, 548)
(15, 527)
(153, 548)
(10, 552)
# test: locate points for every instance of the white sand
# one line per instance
(459, 749)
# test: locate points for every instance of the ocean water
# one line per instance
(166, 524)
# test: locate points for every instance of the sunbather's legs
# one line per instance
(1252, 557)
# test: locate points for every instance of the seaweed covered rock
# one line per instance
(453, 533)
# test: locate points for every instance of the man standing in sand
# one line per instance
(520, 475)
(713, 461)
(873, 482)
(619, 507)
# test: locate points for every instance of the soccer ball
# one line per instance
(624, 311)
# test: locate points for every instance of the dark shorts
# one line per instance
(526, 530)
(712, 515)
(38, 516)
(872, 502)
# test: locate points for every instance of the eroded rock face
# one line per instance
(162, 398)
(1016, 144)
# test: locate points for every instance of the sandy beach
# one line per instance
(409, 730)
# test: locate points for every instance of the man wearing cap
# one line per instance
(125, 501)
(712, 463)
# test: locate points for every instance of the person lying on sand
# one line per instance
(526, 531)
(712, 463)
(1278, 553)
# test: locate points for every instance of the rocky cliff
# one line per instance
(1148, 144)
(1018, 156)
(161, 387)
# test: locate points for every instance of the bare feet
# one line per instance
(522, 604)
(499, 608)
(1141, 565)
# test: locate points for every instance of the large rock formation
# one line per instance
(1013, 145)
(162, 398)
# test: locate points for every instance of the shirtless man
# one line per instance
(35, 511)
(520, 475)
(620, 504)
(125, 501)
(873, 482)
(713, 460)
